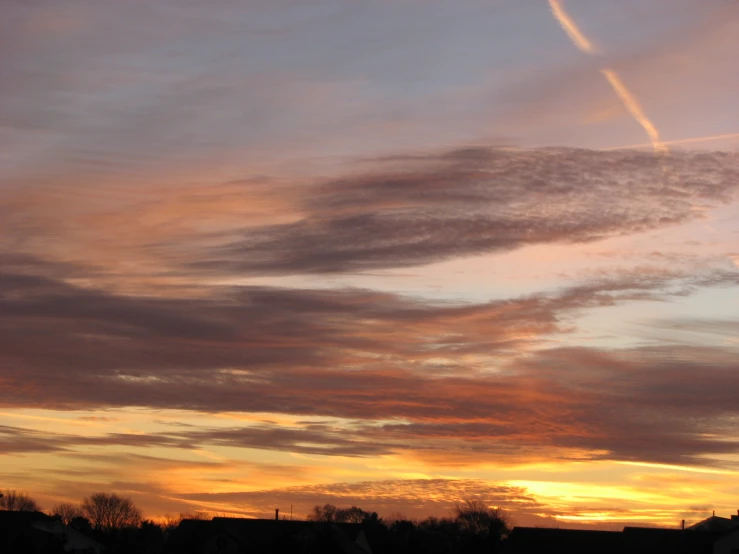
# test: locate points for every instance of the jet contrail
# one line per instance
(635, 109)
(624, 94)
(570, 27)
(677, 141)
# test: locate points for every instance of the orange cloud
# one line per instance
(403, 374)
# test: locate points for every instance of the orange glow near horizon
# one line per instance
(238, 482)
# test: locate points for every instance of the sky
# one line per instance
(395, 254)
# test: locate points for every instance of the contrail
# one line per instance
(570, 27)
(677, 141)
(635, 110)
(624, 94)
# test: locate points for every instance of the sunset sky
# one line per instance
(388, 253)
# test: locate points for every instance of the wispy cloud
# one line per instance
(409, 497)
(476, 201)
(396, 212)
(443, 375)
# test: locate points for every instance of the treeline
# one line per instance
(100, 511)
(471, 527)
(110, 519)
(115, 522)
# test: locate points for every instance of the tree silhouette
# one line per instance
(110, 511)
(355, 515)
(479, 520)
(12, 500)
(330, 513)
(66, 511)
(81, 524)
(323, 513)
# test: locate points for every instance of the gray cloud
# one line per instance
(464, 378)
(479, 200)
(16, 440)
(395, 212)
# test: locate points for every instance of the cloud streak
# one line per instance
(407, 376)
(690, 140)
(614, 80)
(476, 201)
(635, 109)
(413, 498)
(400, 211)
(570, 27)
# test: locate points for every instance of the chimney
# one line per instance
(683, 524)
(277, 514)
(736, 517)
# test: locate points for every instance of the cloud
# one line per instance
(475, 201)
(398, 211)
(309, 438)
(634, 397)
(405, 376)
(419, 498)
(411, 497)
(16, 440)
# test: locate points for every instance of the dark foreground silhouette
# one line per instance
(111, 524)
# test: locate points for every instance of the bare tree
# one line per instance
(66, 511)
(110, 511)
(353, 515)
(479, 520)
(330, 513)
(14, 501)
(323, 513)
